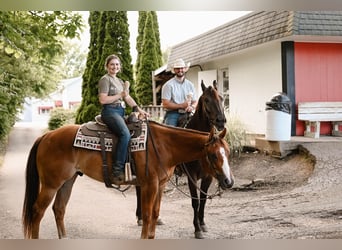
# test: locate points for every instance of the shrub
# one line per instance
(236, 134)
(60, 117)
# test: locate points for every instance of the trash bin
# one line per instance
(278, 118)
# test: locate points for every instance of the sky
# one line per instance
(176, 26)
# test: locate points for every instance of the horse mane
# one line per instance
(177, 128)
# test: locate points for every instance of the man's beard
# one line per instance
(180, 74)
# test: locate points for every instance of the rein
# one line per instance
(217, 193)
(208, 196)
(154, 147)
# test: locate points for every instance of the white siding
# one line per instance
(254, 77)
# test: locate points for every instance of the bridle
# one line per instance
(218, 191)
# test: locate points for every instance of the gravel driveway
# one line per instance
(295, 198)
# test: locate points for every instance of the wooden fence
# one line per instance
(156, 111)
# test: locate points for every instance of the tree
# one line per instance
(150, 57)
(140, 37)
(30, 43)
(109, 34)
(72, 63)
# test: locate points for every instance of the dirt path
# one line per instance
(289, 199)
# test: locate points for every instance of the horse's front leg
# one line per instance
(138, 209)
(148, 199)
(195, 204)
(155, 211)
(61, 200)
(205, 184)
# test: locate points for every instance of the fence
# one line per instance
(156, 111)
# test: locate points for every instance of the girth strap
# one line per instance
(104, 160)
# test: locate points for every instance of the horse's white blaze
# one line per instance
(225, 167)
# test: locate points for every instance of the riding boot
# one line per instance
(118, 175)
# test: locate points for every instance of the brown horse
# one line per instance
(209, 113)
(54, 163)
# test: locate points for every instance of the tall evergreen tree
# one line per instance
(157, 35)
(109, 34)
(150, 57)
(140, 37)
(90, 103)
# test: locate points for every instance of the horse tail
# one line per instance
(31, 189)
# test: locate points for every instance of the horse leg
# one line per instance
(205, 183)
(43, 201)
(138, 209)
(59, 206)
(148, 199)
(195, 205)
(155, 211)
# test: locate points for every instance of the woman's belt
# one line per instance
(117, 105)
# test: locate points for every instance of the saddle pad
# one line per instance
(93, 142)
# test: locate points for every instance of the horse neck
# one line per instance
(178, 145)
(199, 122)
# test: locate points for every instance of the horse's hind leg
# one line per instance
(59, 206)
(43, 201)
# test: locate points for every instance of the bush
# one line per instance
(60, 117)
(236, 134)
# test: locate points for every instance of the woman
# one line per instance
(113, 94)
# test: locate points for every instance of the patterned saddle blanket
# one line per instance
(89, 135)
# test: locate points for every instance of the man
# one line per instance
(178, 94)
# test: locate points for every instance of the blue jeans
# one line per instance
(171, 118)
(113, 117)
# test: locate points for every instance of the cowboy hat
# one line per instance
(179, 63)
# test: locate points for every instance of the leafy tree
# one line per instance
(72, 63)
(150, 57)
(30, 43)
(109, 34)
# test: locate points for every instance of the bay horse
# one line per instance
(209, 112)
(54, 164)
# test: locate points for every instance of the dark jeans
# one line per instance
(171, 118)
(113, 118)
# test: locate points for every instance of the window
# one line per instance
(225, 85)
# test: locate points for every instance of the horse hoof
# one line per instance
(199, 235)
(204, 228)
(160, 222)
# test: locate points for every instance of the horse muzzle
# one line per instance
(224, 182)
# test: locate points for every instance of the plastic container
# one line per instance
(278, 118)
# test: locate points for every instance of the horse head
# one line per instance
(210, 106)
(217, 153)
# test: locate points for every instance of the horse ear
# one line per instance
(215, 84)
(223, 133)
(213, 131)
(203, 86)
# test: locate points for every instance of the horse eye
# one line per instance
(213, 157)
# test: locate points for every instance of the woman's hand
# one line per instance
(142, 113)
(124, 94)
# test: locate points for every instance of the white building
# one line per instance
(68, 96)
